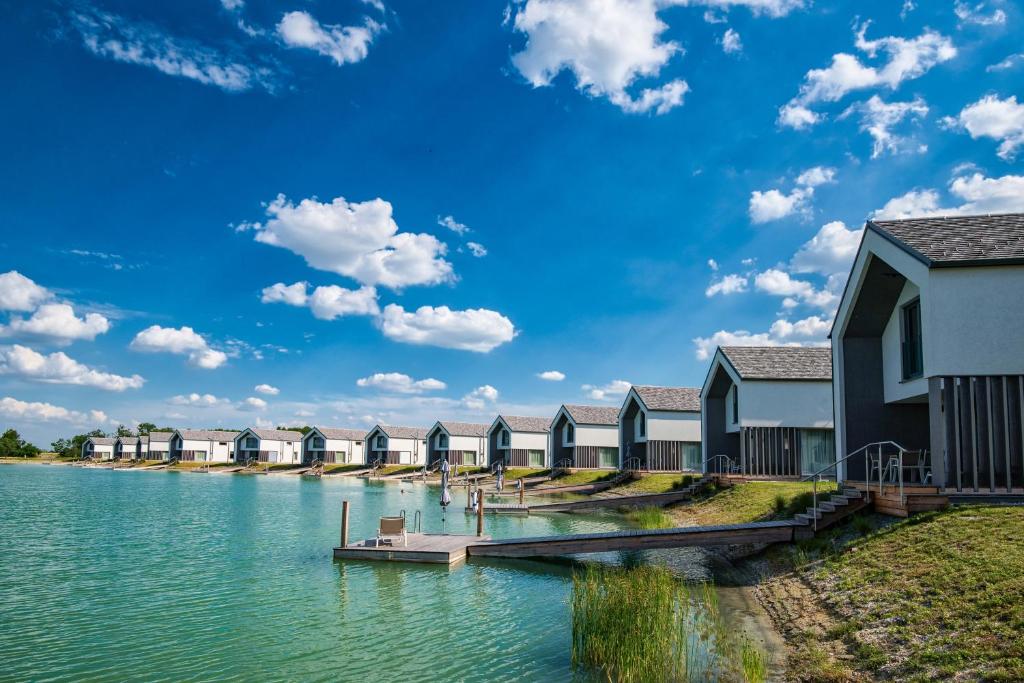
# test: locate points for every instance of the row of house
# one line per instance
(927, 353)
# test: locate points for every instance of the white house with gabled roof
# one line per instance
(460, 443)
(928, 352)
(332, 445)
(390, 445)
(158, 446)
(660, 429)
(268, 445)
(518, 441)
(126, 448)
(204, 445)
(98, 448)
(768, 411)
(585, 437)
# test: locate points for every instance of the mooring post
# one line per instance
(522, 491)
(469, 496)
(344, 523)
(480, 514)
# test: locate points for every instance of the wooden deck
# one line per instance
(423, 548)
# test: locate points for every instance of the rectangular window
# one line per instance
(608, 457)
(910, 329)
(318, 443)
(251, 443)
(536, 458)
(569, 434)
(817, 450)
(643, 424)
(468, 457)
(504, 439)
(735, 404)
(691, 456)
(381, 442)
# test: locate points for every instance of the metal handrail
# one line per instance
(626, 464)
(563, 464)
(716, 457)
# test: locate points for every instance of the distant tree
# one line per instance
(304, 430)
(12, 445)
(146, 428)
(124, 431)
(61, 447)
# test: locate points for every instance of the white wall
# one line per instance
(673, 426)
(470, 443)
(594, 435)
(786, 404)
(530, 441)
(892, 353)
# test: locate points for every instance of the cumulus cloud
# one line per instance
(453, 225)
(182, 341)
(830, 251)
(978, 194)
(267, 389)
(399, 383)
(33, 411)
(476, 249)
(59, 368)
(479, 329)
(995, 118)
(730, 284)
(58, 323)
(878, 119)
(19, 293)
(975, 14)
(551, 375)
(731, 42)
(772, 205)
(197, 400)
(327, 302)
(1010, 62)
(809, 331)
(114, 37)
(614, 390)
(359, 240)
(907, 59)
(780, 283)
(343, 44)
(480, 398)
(253, 403)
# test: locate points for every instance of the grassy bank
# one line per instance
(657, 483)
(514, 473)
(750, 502)
(581, 477)
(340, 467)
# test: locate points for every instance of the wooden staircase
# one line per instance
(832, 510)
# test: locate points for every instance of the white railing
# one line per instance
(631, 464)
(730, 463)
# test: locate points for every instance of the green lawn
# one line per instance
(938, 596)
(340, 467)
(388, 470)
(657, 483)
(524, 473)
(650, 517)
(751, 502)
(581, 477)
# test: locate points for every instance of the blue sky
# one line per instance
(401, 212)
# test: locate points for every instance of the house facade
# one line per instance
(333, 445)
(158, 446)
(127, 448)
(460, 443)
(660, 429)
(272, 446)
(519, 441)
(390, 445)
(585, 437)
(927, 350)
(98, 448)
(204, 445)
(768, 410)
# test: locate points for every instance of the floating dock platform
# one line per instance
(446, 549)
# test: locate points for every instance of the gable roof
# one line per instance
(274, 434)
(102, 440)
(128, 440)
(403, 432)
(527, 424)
(593, 415)
(464, 428)
(341, 433)
(780, 362)
(995, 239)
(678, 399)
(207, 434)
(160, 437)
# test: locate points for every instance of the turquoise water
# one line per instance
(159, 576)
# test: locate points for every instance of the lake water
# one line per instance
(158, 576)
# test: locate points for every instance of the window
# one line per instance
(222, 443)
(569, 433)
(359, 443)
(381, 442)
(735, 404)
(251, 443)
(318, 443)
(468, 457)
(536, 458)
(642, 425)
(691, 456)
(442, 441)
(608, 457)
(817, 450)
(910, 340)
(504, 438)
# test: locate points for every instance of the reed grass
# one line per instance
(642, 624)
(650, 517)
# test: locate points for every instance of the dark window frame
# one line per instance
(735, 404)
(911, 345)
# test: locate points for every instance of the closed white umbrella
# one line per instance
(446, 495)
(500, 484)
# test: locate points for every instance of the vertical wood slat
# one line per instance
(990, 428)
(1006, 437)
(1020, 407)
(974, 431)
(957, 415)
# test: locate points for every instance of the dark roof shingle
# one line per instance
(342, 433)
(403, 432)
(527, 424)
(781, 362)
(464, 428)
(593, 415)
(277, 434)
(959, 240)
(680, 399)
(207, 434)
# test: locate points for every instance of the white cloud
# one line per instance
(182, 341)
(15, 409)
(232, 4)
(816, 176)
(253, 403)
(780, 283)
(907, 59)
(830, 251)
(615, 389)
(399, 383)
(713, 264)
(114, 37)
(480, 398)
(327, 302)
(477, 249)
(731, 42)
(991, 117)
(877, 119)
(343, 44)
(1010, 62)
(730, 284)
(975, 14)
(551, 375)
(197, 400)
(453, 225)
(355, 239)
(293, 295)
(608, 45)
(19, 293)
(479, 330)
(57, 323)
(772, 205)
(58, 368)
(979, 195)
(267, 389)
(809, 331)
(771, 8)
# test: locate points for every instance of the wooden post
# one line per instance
(344, 524)
(522, 491)
(469, 496)
(480, 514)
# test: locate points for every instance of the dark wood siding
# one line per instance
(770, 451)
(666, 455)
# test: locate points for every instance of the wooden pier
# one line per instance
(446, 549)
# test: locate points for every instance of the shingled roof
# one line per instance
(207, 434)
(464, 428)
(277, 434)
(342, 433)
(995, 239)
(160, 437)
(102, 440)
(780, 362)
(527, 424)
(403, 432)
(679, 399)
(128, 440)
(593, 415)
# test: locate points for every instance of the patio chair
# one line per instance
(392, 527)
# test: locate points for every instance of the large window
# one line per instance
(503, 438)
(910, 339)
(641, 424)
(381, 442)
(817, 450)
(536, 458)
(442, 441)
(570, 434)
(251, 443)
(318, 443)
(691, 456)
(608, 456)
(468, 457)
(735, 404)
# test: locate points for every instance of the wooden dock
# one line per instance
(423, 548)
